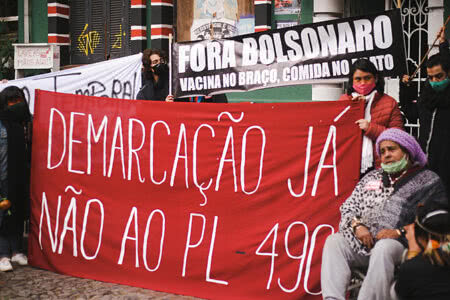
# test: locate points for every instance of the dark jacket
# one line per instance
(433, 111)
(18, 176)
(419, 279)
(154, 91)
(434, 133)
(159, 91)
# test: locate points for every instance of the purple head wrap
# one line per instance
(405, 140)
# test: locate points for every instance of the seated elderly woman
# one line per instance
(426, 273)
(371, 233)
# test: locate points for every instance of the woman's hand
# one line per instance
(358, 98)
(387, 234)
(170, 98)
(362, 233)
(363, 124)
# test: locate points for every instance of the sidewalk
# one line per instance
(32, 283)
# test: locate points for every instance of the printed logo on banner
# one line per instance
(287, 56)
(202, 29)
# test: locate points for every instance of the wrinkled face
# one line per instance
(390, 152)
(361, 77)
(436, 73)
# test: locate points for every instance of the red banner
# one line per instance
(218, 201)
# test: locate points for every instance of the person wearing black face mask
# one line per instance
(155, 81)
(15, 120)
(155, 77)
(433, 111)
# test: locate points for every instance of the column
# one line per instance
(325, 10)
(263, 15)
(162, 23)
(138, 26)
(58, 27)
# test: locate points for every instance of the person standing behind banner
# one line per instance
(381, 111)
(433, 111)
(156, 81)
(155, 77)
(14, 175)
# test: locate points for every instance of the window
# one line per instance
(99, 30)
(8, 16)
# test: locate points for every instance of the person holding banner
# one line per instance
(381, 110)
(14, 175)
(156, 77)
(371, 233)
(433, 111)
(156, 81)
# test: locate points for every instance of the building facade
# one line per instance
(89, 31)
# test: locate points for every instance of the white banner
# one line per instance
(116, 78)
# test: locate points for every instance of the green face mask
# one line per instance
(439, 86)
(395, 167)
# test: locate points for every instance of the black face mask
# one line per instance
(19, 112)
(160, 69)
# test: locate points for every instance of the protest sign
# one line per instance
(219, 201)
(116, 78)
(311, 53)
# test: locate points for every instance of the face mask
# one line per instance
(19, 112)
(395, 167)
(364, 88)
(439, 86)
(160, 69)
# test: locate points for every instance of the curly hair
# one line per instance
(149, 52)
(147, 62)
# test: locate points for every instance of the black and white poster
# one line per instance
(303, 54)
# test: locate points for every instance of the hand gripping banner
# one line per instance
(218, 201)
(310, 53)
